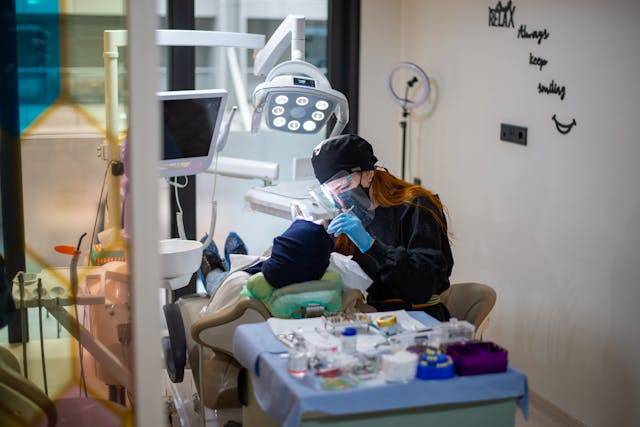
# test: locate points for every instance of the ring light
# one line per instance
(419, 77)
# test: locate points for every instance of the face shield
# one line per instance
(343, 193)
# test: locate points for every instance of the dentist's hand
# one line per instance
(350, 225)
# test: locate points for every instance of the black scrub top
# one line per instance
(410, 259)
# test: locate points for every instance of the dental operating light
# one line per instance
(296, 95)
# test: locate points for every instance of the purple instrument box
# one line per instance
(474, 358)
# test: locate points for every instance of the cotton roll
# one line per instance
(400, 366)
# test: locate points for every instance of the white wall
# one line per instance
(379, 51)
(554, 226)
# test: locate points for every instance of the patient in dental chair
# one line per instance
(300, 254)
(300, 257)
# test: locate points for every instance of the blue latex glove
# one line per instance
(350, 225)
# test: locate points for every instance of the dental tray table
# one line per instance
(276, 398)
(276, 199)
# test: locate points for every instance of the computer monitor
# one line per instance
(191, 122)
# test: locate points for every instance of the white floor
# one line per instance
(185, 402)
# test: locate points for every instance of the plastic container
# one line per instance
(421, 345)
(435, 367)
(367, 368)
(456, 331)
(336, 323)
(474, 358)
(298, 361)
(349, 340)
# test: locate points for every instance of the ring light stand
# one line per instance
(419, 76)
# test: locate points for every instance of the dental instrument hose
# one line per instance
(220, 143)
(179, 214)
(95, 222)
(73, 272)
(214, 202)
(44, 361)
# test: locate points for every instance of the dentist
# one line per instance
(396, 231)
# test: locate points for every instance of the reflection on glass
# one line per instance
(38, 36)
(76, 291)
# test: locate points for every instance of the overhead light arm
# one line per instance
(289, 33)
(297, 96)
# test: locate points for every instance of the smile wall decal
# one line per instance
(562, 128)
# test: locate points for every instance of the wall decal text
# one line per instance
(537, 34)
(502, 15)
(552, 89)
(538, 61)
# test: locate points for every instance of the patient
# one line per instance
(300, 254)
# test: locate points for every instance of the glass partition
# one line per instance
(74, 296)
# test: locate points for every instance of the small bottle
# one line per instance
(298, 360)
(349, 339)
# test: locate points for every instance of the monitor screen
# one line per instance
(188, 126)
(299, 81)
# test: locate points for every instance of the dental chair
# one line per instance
(472, 302)
(206, 347)
(22, 403)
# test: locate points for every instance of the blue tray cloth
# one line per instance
(286, 399)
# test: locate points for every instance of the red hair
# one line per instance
(388, 191)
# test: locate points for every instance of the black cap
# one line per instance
(348, 153)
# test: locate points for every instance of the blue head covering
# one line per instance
(300, 254)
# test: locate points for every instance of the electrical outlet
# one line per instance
(513, 133)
